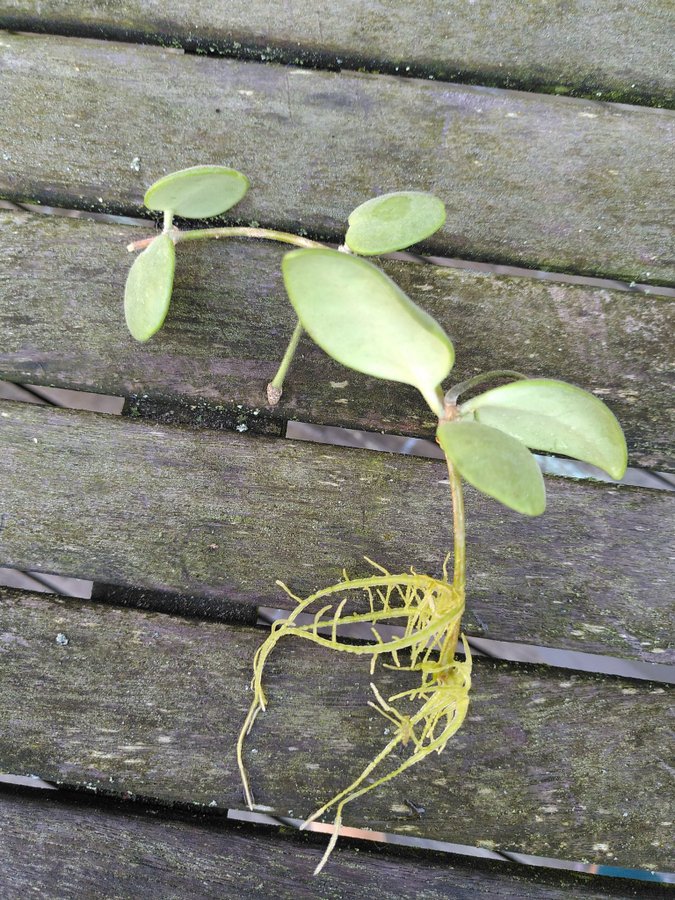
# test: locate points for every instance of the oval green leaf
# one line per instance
(148, 289)
(197, 193)
(393, 221)
(555, 417)
(363, 319)
(496, 464)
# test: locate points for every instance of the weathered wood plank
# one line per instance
(116, 853)
(223, 515)
(549, 182)
(150, 705)
(230, 318)
(593, 48)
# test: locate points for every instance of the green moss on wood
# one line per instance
(591, 49)
(230, 320)
(131, 852)
(224, 515)
(151, 704)
(527, 178)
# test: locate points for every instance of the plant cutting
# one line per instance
(361, 318)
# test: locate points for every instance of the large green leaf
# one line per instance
(148, 289)
(555, 417)
(496, 464)
(363, 319)
(197, 193)
(393, 221)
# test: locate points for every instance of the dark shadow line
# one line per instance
(425, 448)
(480, 264)
(506, 651)
(43, 580)
(447, 847)
(243, 615)
(516, 270)
(663, 478)
(105, 801)
(35, 392)
(246, 48)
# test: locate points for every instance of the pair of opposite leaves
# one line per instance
(381, 225)
(361, 318)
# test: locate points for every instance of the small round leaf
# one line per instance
(496, 464)
(363, 319)
(197, 193)
(555, 417)
(148, 289)
(393, 221)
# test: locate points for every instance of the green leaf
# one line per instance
(197, 193)
(363, 319)
(148, 289)
(496, 464)
(393, 221)
(557, 418)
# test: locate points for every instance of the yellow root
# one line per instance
(430, 611)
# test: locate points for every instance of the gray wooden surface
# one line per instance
(117, 853)
(224, 515)
(142, 705)
(612, 50)
(61, 314)
(548, 182)
(149, 705)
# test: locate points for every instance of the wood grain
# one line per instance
(149, 705)
(548, 182)
(131, 853)
(61, 315)
(593, 47)
(222, 515)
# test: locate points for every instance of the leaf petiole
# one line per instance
(205, 234)
(454, 392)
(275, 387)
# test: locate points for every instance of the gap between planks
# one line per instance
(470, 265)
(210, 364)
(225, 482)
(265, 616)
(158, 666)
(507, 57)
(337, 436)
(585, 225)
(144, 848)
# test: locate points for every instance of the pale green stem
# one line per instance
(454, 392)
(434, 399)
(459, 572)
(207, 234)
(267, 234)
(450, 412)
(275, 387)
(459, 562)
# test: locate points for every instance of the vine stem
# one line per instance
(275, 387)
(458, 526)
(450, 412)
(449, 645)
(453, 394)
(206, 234)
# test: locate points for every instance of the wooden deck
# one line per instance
(548, 134)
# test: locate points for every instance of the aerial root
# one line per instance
(430, 612)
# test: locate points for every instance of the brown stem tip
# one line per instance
(273, 394)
